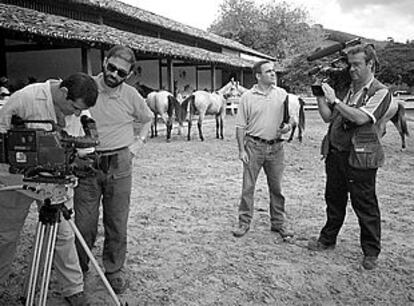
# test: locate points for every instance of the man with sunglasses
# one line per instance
(61, 102)
(118, 107)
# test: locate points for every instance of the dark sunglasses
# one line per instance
(112, 68)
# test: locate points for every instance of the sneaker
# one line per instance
(316, 245)
(119, 284)
(369, 262)
(77, 299)
(283, 231)
(241, 230)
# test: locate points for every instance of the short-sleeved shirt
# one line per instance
(34, 102)
(115, 111)
(340, 136)
(261, 114)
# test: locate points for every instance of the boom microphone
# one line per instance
(333, 49)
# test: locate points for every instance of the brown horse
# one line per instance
(204, 103)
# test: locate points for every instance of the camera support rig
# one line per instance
(54, 196)
(336, 73)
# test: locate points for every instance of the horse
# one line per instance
(397, 115)
(297, 108)
(233, 96)
(205, 103)
(164, 104)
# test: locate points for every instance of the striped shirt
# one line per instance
(375, 106)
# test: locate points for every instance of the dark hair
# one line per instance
(257, 67)
(368, 50)
(81, 86)
(123, 52)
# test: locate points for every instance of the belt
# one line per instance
(111, 152)
(269, 142)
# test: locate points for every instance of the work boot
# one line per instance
(77, 299)
(316, 245)
(118, 283)
(241, 230)
(369, 262)
(283, 231)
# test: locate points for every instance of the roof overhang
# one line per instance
(33, 25)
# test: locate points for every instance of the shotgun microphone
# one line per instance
(333, 49)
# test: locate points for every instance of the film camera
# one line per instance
(40, 154)
(336, 73)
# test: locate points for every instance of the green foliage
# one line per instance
(397, 64)
(274, 28)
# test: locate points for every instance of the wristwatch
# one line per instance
(335, 102)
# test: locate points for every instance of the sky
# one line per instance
(376, 19)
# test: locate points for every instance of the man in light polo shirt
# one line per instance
(259, 126)
(61, 102)
(117, 108)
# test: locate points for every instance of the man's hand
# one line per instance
(136, 146)
(243, 156)
(285, 128)
(329, 93)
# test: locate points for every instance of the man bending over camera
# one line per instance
(61, 102)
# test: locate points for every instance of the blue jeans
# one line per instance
(113, 187)
(271, 159)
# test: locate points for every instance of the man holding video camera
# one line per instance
(118, 107)
(61, 102)
(353, 153)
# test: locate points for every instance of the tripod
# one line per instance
(53, 208)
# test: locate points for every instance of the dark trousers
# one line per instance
(360, 184)
(112, 187)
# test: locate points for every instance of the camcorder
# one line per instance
(45, 155)
(336, 72)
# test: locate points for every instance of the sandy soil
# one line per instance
(184, 206)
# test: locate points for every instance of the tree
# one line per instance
(274, 28)
(397, 64)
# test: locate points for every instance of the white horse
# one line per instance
(164, 104)
(204, 103)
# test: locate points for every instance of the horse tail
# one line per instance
(401, 119)
(184, 106)
(192, 105)
(302, 114)
(172, 101)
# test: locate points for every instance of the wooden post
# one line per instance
(213, 77)
(196, 78)
(160, 73)
(242, 77)
(3, 60)
(86, 60)
(170, 75)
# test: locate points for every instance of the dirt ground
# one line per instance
(184, 206)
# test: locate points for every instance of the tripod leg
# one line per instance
(94, 262)
(50, 249)
(34, 269)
